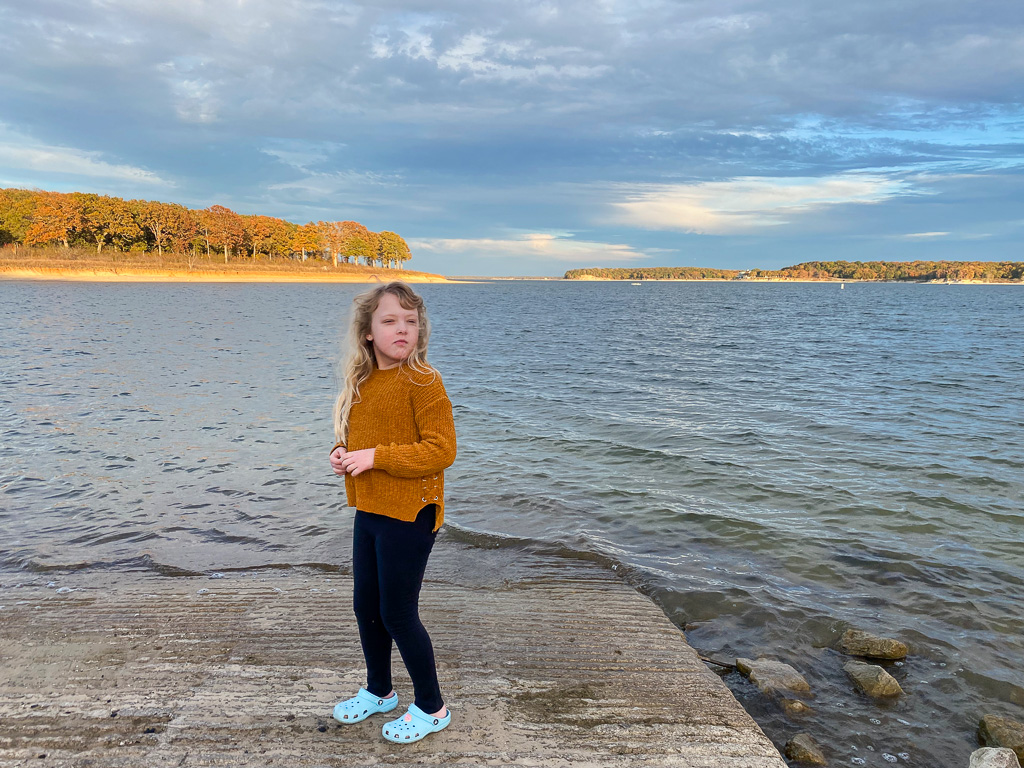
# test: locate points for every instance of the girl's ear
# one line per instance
(369, 337)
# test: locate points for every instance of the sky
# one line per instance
(528, 138)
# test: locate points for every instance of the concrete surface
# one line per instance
(108, 668)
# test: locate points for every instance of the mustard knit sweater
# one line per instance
(407, 417)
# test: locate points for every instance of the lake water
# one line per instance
(772, 463)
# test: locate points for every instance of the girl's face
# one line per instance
(394, 331)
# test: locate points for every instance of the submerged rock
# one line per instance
(996, 731)
(795, 707)
(857, 643)
(990, 757)
(802, 748)
(872, 679)
(771, 676)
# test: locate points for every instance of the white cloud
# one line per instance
(923, 235)
(534, 246)
(195, 98)
(483, 56)
(299, 154)
(21, 152)
(335, 182)
(747, 204)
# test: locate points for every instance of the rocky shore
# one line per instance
(1001, 738)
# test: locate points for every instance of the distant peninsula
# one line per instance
(852, 271)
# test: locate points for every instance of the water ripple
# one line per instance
(771, 463)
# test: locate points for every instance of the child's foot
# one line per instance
(362, 705)
(415, 725)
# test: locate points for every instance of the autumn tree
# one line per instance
(267, 235)
(224, 228)
(329, 239)
(111, 218)
(392, 249)
(16, 207)
(55, 217)
(257, 232)
(373, 240)
(305, 238)
(356, 242)
(280, 240)
(158, 218)
(182, 227)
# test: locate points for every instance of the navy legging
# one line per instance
(388, 560)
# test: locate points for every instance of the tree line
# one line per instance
(899, 270)
(654, 273)
(824, 270)
(35, 218)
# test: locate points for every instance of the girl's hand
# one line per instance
(337, 456)
(356, 462)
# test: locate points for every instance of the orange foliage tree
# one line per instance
(305, 238)
(56, 217)
(37, 218)
(225, 228)
(113, 219)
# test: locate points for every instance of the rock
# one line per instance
(872, 679)
(802, 748)
(857, 643)
(795, 707)
(772, 676)
(990, 757)
(996, 731)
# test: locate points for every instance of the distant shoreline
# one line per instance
(935, 272)
(348, 273)
(590, 279)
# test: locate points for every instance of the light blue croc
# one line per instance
(414, 725)
(361, 706)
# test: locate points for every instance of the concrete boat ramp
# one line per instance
(542, 665)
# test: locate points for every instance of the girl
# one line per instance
(395, 432)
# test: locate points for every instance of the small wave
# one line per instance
(140, 563)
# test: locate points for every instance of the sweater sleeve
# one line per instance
(435, 450)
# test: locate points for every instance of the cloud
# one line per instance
(542, 246)
(333, 183)
(486, 56)
(473, 119)
(302, 155)
(21, 152)
(746, 205)
(195, 98)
